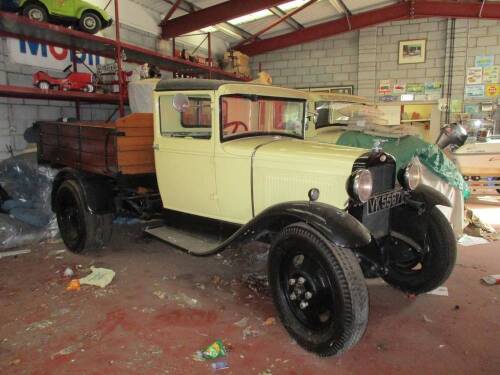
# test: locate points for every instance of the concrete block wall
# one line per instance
(326, 62)
(386, 46)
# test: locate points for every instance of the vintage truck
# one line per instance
(232, 156)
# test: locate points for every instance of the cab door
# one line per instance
(62, 7)
(184, 154)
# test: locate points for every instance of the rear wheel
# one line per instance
(35, 12)
(90, 23)
(419, 265)
(80, 229)
(318, 290)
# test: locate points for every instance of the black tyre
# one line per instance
(80, 229)
(318, 290)
(90, 23)
(419, 266)
(35, 12)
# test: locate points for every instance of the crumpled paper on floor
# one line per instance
(100, 277)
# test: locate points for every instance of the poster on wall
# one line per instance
(417, 88)
(42, 55)
(484, 61)
(433, 90)
(384, 87)
(491, 74)
(399, 88)
(471, 108)
(474, 91)
(492, 90)
(474, 76)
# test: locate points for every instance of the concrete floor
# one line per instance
(164, 305)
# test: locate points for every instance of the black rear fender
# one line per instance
(98, 192)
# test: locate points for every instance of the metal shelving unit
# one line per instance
(12, 25)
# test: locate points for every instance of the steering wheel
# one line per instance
(236, 125)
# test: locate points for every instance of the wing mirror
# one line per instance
(180, 102)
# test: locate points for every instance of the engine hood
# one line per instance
(286, 169)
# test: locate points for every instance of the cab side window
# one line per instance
(195, 122)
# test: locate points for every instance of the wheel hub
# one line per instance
(89, 22)
(301, 292)
(35, 14)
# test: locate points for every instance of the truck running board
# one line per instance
(192, 241)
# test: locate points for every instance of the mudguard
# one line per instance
(97, 190)
(336, 225)
(429, 197)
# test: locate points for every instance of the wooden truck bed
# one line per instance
(124, 146)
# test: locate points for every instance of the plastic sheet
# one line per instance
(26, 216)
(406, 148)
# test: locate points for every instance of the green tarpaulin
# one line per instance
(404, 149)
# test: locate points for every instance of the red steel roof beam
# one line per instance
(425, 8)
(214, 15)
(275, 23)
(357, 21)
(170, 12)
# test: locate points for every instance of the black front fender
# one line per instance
(338, 226)
(430, 197)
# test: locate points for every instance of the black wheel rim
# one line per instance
(69, 218)
(308, 289)
(410, 261)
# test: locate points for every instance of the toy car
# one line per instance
(78, 13)
(74, 81)
(227, 152)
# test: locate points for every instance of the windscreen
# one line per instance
(258, 115)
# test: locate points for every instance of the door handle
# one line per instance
(156, 146)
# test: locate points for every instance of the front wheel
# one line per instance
(80, 229)
(419, 265)
(35, 12)
(90, 23)
(318, 290)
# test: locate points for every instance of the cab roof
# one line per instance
(228, 87)
(181, 84)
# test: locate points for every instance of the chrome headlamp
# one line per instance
(409, 178)
(360, 185)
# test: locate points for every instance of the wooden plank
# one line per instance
(135, 120)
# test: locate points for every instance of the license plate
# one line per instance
(385, 201)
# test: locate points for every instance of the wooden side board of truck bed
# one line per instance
(124, 146)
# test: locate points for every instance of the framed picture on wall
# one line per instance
(412, 51)
(348, 89)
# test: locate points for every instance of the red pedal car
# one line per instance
(74, 81)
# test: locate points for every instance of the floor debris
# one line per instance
(242, 322)
(439, 291)
(68, 272)
(467, 240)
(39, 325)
(215, 350)
(100, 277)
(269, 321)
(183, 299)
(491, 280)
(250, 332)
(14, 253)
(160, 294)
(427, 320)
(221, 365)
(73, 285)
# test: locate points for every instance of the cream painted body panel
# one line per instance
(287, 169)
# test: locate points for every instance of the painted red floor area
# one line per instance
(164, 305)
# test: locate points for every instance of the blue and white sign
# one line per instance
(46, 56)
